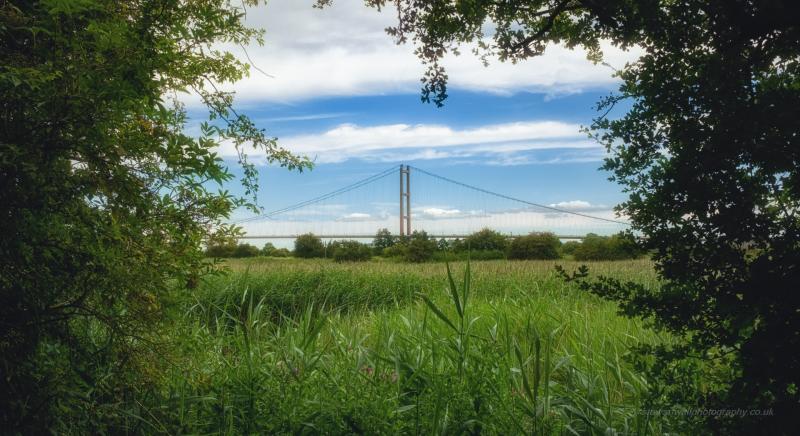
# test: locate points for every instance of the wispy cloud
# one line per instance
(309, 117)
(579, 206)
(500, 144)
(344, 51)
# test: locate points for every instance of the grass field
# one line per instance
(290, 346)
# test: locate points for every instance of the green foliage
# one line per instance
(308, 245)
(268, 249)
(569, 247)
(281, 252)
(279, 347)
(485, 239)
(615, 247)
(469, 254)
(104, 201)
(232, 250)
(396, 251)
(535, 246)
(221, 250)
(708, 153)
(351, 251)
(419, 247)
(245, 250)
(383, 240)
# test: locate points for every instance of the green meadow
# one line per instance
(313, 346)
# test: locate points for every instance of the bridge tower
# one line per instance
(405, 196)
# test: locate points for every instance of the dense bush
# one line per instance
(108, 198)
(245, 250)
(395, 251)
(221, 250)
(351, 251)
(308, 245)
(485, 239)
(383, 240)
(615, 247)
(569, 247)
(268, 249)
(419, 248)
(535, 246)
(281, 252)
(232, 250)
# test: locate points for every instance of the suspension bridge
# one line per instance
(440, 206)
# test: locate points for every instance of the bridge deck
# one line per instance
(373, 236)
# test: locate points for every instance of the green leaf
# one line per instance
(454, 291)
(438, 312)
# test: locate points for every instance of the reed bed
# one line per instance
(315, 347)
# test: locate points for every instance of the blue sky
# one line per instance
(332, 85)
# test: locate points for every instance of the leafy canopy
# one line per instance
(105, 201)
(709, 155)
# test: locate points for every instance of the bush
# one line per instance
(281, 252)
(245, 250)
(351, 251)
(615, 247)
(308, 245)
(485, 239)
(268, 249)
(535, 246)
(569, 247)
(221, 250)
(383, 240)
(419, 248)
(396, 250)
(232, 250)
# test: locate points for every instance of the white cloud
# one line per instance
(344, 51)
(578, 206)
(435, 212)
(402, 142)
(310, 117)
(356, 216)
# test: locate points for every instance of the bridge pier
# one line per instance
(405, 196)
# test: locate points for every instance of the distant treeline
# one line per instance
(485, 244)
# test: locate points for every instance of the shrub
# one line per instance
(245, 250)
(268, 249)
(419, 248)
(232, 250)
(535, 246)
(383, 240)
(351, 251)
(615, 247)
(281, 252)
(308, 245)
(221, 250)
(396, 250)
(569, 247)
(485, 239)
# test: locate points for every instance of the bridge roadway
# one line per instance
(573, 237)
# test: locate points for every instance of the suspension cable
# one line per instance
(485, 191)
(323, 197)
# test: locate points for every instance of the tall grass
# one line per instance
(316, 347)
